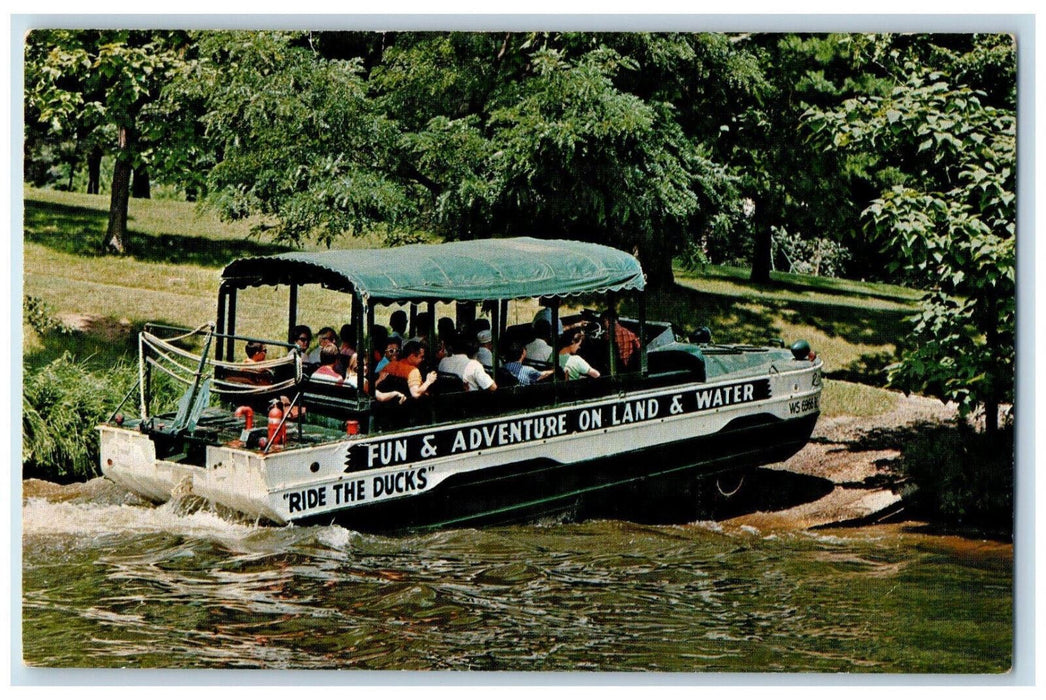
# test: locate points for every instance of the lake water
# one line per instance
(111, 582)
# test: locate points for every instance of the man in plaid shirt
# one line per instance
(626, 342)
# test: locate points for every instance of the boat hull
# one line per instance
(655, 484)
(587, 458)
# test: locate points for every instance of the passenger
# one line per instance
(574, 366)
(406, 369)
(445, 327)
(327, 372)
(347, 349)
(379, 339)
(301, 336)
(463, 364)
(483, 353)
(326, 336)
(398, 325)
(444, 337)
(392, 351)
(422, 330)
(352, 380)
(538, 349)
(256, 352)
(626, 342)
(524, 374)
(423, 334)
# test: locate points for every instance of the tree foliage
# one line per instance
(946, 159)
(93, 89)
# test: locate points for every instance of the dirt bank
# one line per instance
(855, 455)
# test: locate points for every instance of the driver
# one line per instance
(626, 342)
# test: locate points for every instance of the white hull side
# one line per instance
(313, 481)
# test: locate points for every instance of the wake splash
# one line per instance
(99, 510)
(99, 507)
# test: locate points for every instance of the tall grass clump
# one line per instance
(62, 402)
(962, 478)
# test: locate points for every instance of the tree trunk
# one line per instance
(94, 171)
(991, 417)
(140, 187)
(761, 255)
(657, 264)
(116, 234)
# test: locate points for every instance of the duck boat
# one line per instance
(678, 414)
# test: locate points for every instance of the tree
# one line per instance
(577, 157)
(947, 212)
(797, 189)
(96, 86)
(465, 135)
(297, 139)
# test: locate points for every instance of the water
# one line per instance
(111, 582)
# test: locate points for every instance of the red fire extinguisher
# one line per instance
(277, 432)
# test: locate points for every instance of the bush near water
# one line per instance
(961, 477)
(62, 403)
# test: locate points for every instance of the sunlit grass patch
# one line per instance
(849, 399)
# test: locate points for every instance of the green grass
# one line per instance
(178, 252)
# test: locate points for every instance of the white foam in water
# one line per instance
(335, 537)
(40, 516)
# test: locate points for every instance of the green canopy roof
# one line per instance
(505, 268)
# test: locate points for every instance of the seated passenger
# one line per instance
(300, 338)
(573, 365)
(347, 349)
(538, 349)
(326, 336)
(524, 374)
(327, 372)
(484, 354)
(444, 337)
(405, 370)
(626, 342)
(398, 324)
(392, 351)
(261, 376)
(422, 330)
(463, 364)
(378, 341)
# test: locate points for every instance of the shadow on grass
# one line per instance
(103, 344)
(801, 284)
(79, 231)
(734, 320)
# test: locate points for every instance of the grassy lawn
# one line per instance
(179, 251)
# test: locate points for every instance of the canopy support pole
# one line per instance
(361, 348)
(220, 347)
(369, 310)
(230, 351)
(292, 312)
(642, 334)
(555, 348)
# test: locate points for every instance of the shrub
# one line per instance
(40, 317)
(62, 402)
(816, 256)
(962, 477)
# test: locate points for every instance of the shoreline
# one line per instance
(856, 456)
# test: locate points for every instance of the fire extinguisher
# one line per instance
(277, 432)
